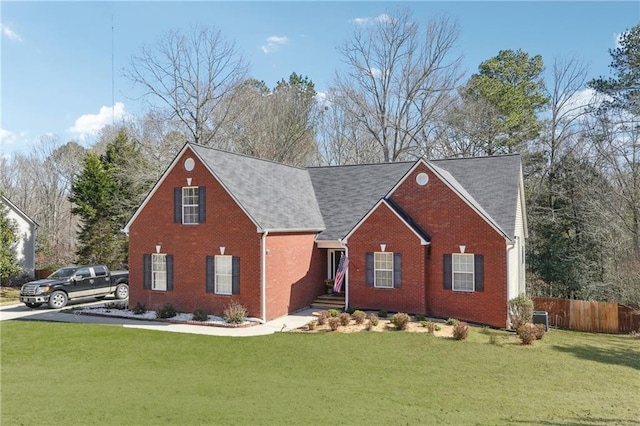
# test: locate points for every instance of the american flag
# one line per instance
(342, 269)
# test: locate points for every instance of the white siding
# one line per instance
(515, 255)
(25, 248)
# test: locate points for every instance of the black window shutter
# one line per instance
(177, 205)
(368, 262)
(169, 272)
(209, 274)
(146, 271)
(478, 265)
(397, 270)
(446, 271)
(235, 275)
(202, 204)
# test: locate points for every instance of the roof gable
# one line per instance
(18, 211)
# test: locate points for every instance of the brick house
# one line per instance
(443, 238)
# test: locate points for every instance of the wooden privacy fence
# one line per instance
(595, 317)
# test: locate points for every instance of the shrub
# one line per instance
(383, 314)
(451, 321)
(345, 319)
(540, 330)
(373, 319)
(460, 330)
(430, 325)
(334, 313)
(527, 333)
(234, 313)
(334, 322)
(359, 317)
(351, 310)
(400, 320)
(199, 315)
(166, 311)
(369, 325)
(311, 325)
(322, 317)
(420, 317)
(520, 311)
(118, 306)
(139, 309)
(437, 327)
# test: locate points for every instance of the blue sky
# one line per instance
(56, 57)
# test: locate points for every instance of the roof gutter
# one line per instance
(292, 230)
(263, 277)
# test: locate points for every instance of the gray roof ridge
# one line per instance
(360, 164)
(479, 157)
(250, 157)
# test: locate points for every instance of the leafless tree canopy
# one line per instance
(397, 79)
(190, 74)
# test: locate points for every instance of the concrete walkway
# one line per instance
(285, 323)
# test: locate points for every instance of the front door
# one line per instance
(333, 262)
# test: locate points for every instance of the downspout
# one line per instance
(263, 277)
(346, 276)
(510, 246)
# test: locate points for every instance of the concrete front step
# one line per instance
(329, 301)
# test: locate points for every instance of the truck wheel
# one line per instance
(122, 291)
(33, 305)
(58, 299)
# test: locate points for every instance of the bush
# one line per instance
(540, 330)
(118, 306)
(334, 313)
(527, 333)
(345, 319)
(437, 327)
(430, 325)
(311, 325)
(383, 314)
(234, 313)
(400, 320)
(369, 325)
(351, 310)
(373, 319)
(199, 315)
(166, 311)
(139, 309)
(322, 317)
(520, 311)
(334, 322)
(359, 317)
(460, 330)
(420, 317)
(451, 321)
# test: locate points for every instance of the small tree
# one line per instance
(9, 266)
(520, 311)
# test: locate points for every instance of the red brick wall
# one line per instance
(384, 227)
(296, 270)
(226, 225)
(451, 223)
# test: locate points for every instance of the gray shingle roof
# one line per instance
(493, 182)
(277, 197)
(347, 193)
(334, 199)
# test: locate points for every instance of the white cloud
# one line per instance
(273, 43)
(7, 137)
(89, 124)
(382, 18)
(8, 32)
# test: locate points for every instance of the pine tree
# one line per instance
(9, 266)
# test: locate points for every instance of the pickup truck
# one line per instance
(74, 282)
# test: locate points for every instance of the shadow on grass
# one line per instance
(578, 421)
(615, 354)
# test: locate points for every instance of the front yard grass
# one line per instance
(54, 373)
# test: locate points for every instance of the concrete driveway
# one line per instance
(21, 312)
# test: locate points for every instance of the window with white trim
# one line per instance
(383, 269)
(463, 272)
(159, 271)
(224, 275)
(190, 205)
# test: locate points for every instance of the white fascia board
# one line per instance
(329, 244)
(19, 211)
(523, 204)
(288, 231)
(370, 212)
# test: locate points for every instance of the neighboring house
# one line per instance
(25, 248)
(443, 238)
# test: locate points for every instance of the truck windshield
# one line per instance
(63, 273)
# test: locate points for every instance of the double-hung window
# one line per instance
(463, 272)
(224, 275)
(383, 270)
(190, 205)
(158, 271)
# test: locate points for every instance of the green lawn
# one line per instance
(55, 373)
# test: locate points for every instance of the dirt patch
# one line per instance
(384, 324)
